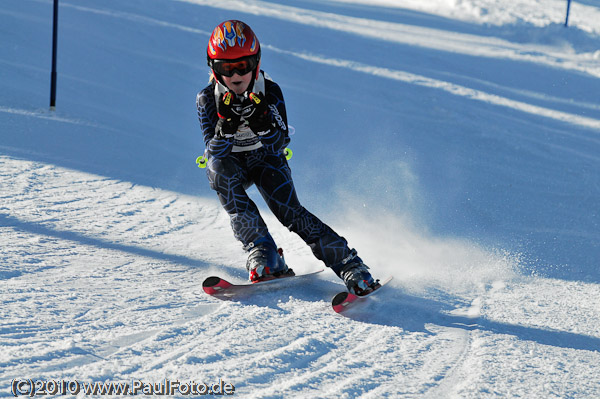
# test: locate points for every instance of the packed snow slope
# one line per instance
(453, 143)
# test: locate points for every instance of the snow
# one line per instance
(453, 143)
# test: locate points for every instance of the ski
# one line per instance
(345, 300)
(219, 287)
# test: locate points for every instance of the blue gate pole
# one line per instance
(568, 8)
(54, 40)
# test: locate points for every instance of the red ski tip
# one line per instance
(213, 285)
(342, 300)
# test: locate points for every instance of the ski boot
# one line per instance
(265, 261)
(356, 275)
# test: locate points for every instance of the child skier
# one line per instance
(244, 123)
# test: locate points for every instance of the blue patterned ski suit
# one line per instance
(234, 164)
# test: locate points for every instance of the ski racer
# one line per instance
(244, 123)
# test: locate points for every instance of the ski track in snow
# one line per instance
(78, 244)
(399, 33)
(455, 89)
(417, 36)
(101, 244)
(43, 114)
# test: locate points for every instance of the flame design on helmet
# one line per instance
(239, 30)
(230, 34)
(215, 41)
(229, 40)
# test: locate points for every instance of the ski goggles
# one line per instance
(240, 66)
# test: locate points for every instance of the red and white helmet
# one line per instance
(233, 47)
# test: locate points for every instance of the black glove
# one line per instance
(228, 120)
(259, 120)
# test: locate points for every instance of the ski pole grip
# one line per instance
(201, 161)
